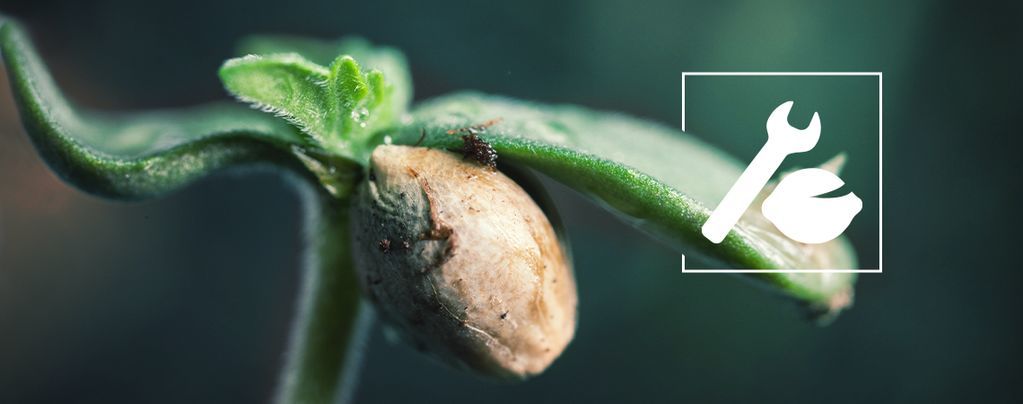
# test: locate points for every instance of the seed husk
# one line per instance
(484, 283)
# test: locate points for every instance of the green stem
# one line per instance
(332, 322)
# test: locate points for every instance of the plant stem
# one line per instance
(324, 352)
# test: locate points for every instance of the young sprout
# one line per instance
(456, 255)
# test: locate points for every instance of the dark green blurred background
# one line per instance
(188, 299)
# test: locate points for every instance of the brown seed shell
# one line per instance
(484, 283)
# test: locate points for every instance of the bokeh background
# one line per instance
(188, 299)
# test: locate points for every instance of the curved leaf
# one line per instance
(136, 155)
(659, 179)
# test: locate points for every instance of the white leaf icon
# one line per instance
(797, 212)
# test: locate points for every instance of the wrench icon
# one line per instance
(782, 140)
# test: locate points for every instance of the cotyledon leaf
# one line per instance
(137, 155)
(659, 179)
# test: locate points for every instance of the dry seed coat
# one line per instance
(481, 280)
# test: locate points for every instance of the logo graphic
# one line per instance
(793, 206)
(808, 207)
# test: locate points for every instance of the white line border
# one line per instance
(880, 160)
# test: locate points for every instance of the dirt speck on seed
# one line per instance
(479, 150)
(475, 147)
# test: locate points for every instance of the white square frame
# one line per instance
(880, 159)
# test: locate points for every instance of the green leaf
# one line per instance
(659, 179)
(339, 107)
(389, 61)
(136, 155)
(286, 85)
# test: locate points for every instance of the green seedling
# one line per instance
(326, 113)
